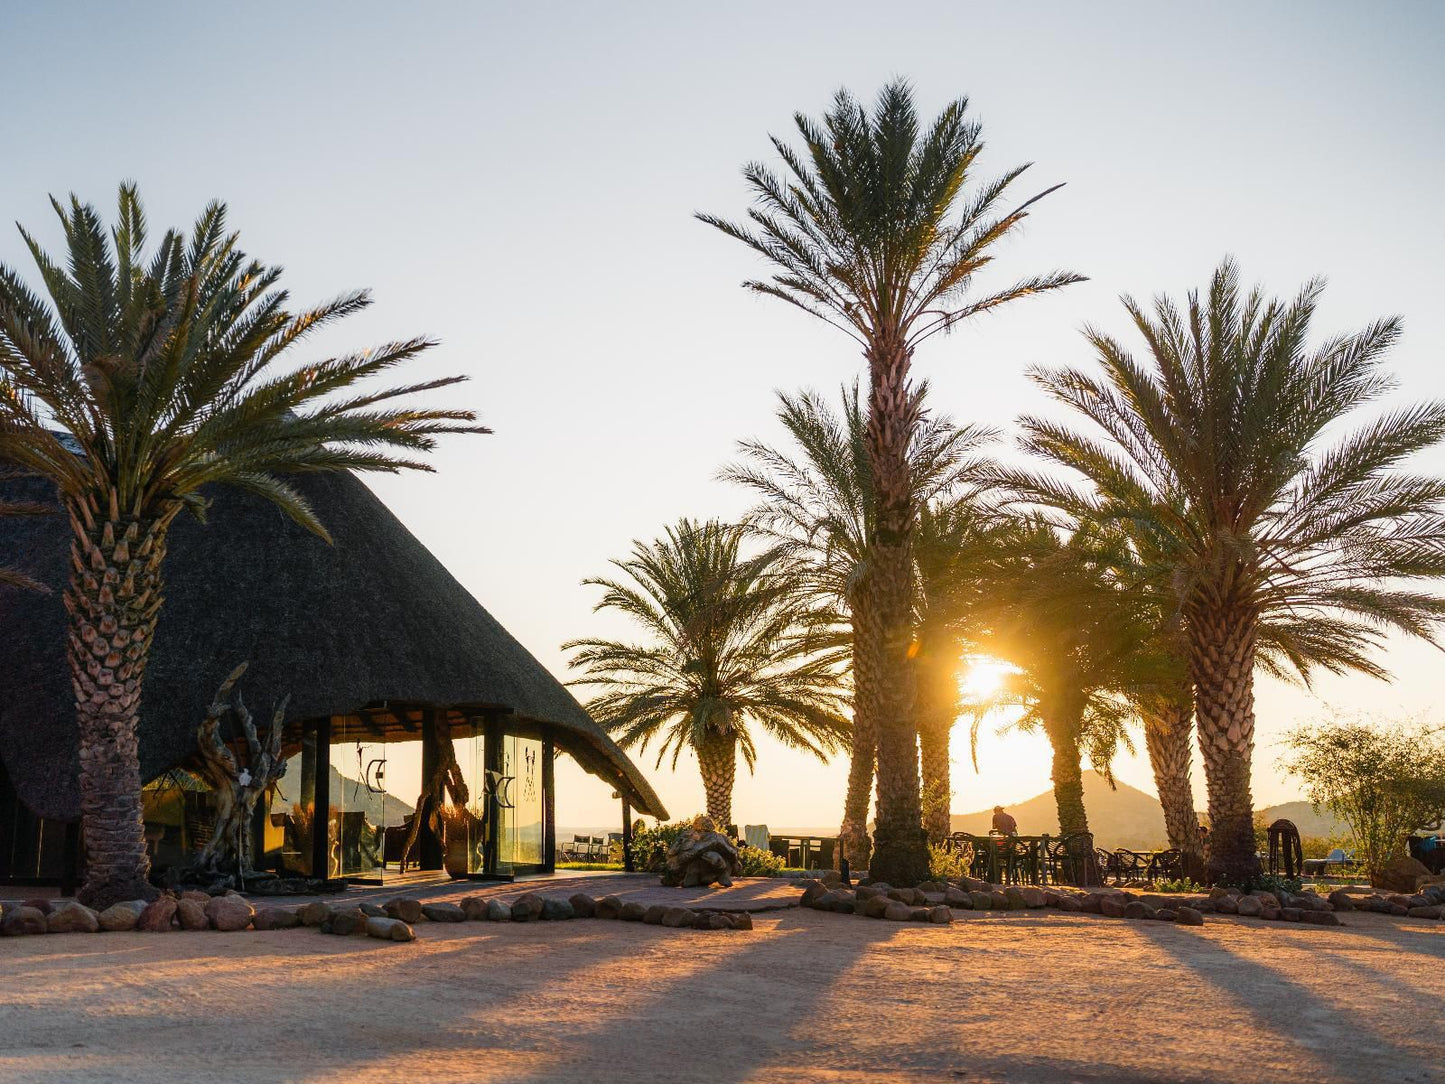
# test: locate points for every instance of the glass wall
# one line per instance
(360, 811)
(521, 826)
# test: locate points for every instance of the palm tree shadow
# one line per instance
(1323, 1031)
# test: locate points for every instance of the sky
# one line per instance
(519, 182)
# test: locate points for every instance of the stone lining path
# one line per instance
(753, 894)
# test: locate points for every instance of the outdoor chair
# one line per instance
(1108, 865)
(756, 835)
(1132, 866)
(1167, 865)
(1070, 860)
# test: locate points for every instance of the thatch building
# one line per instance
(372, 639)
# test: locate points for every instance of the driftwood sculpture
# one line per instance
(445, 780)
(236, 786)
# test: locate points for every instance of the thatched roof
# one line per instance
(372, 627)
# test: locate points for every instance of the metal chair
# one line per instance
(1070, 860)
(1166, 865)
(1132, 866)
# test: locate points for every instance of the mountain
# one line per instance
(1126, 816)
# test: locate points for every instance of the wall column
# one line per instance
(321, 786)
(429, 844)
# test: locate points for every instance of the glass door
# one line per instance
(359, 807)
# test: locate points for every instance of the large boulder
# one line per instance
(158, 915)
(1404, 875)
(609, 907)
(407, 910)
(499, 911)
(314, 913)
(229, 913)
(527, 907)
(1188, 916)
(701, 856)
(72, 917)
(1249, 906)
(389, 929)
(275, 918)
(122, 916)
(22, 921)
(583, 905)
(475, 908)
(191, 914)
(443, 912)
(555, 910)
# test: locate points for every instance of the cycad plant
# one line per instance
(725, 652)
(879, 229)
(817, 502)
(141, 378)
(1225, 447)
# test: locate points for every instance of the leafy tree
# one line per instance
(140, 380)
(879, 229)
(725, 647)
(817, 502)
(1224, 449)
(1384, 781)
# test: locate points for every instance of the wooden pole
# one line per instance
(549, 808)
(428, 842)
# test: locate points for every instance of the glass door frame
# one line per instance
(496, 730)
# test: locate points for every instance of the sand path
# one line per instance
(1034, 996)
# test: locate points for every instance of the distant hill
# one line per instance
(1126, 816)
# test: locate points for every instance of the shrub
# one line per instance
(1184, 884)
(945, 864)
(1272, 882)
(757, 862)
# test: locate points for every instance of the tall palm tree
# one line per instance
(960, 553)
(877, 231)
(817, 502)
(1069, 629)
(1224, 447)
(724, 648)
(141, 379)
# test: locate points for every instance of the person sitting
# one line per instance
(1003, 823)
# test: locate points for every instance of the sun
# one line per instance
(983, 677)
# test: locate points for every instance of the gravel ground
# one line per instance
(1035, 996)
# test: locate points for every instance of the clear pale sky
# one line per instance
(519, 181)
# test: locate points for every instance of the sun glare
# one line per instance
(983, 677)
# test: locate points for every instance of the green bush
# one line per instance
(945, 864)
(1272, 882)
(1184, 884)
(760, 863)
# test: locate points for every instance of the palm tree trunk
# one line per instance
(853, 835)
(112, 602)
(900, 845)
(1062, 726)
(1168, 734)
(717, 760)
(937, 710)
(1221, 660)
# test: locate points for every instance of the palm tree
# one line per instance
(724, 648)
(872, 232)
(818, 504)
(1216, 448)
(1069, 629)
(960, 554)
(139, 381)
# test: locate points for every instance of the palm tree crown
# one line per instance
(724, 647)
(1221, 452)
(141, 379)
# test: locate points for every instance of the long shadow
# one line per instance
(379, 978)
(1293, 1011)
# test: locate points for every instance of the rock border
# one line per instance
(394, 920)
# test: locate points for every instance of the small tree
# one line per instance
(1385, 781)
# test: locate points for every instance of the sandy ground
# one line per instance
(1038, 996)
